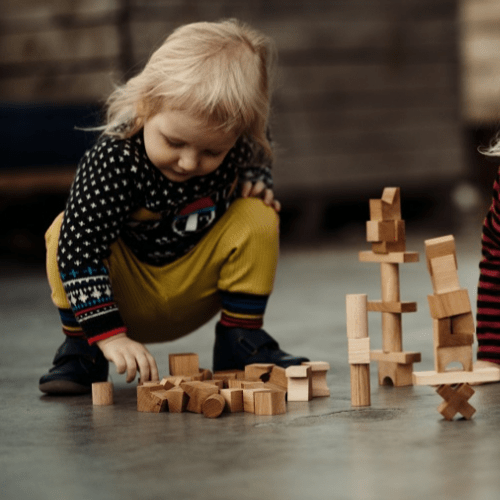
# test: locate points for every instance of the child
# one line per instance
(488, 297)
(171, 217)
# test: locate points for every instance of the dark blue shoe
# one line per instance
(77, 365)
(237, 347)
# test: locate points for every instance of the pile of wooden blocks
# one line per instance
(262, 389)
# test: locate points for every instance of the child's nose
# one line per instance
(188, 160)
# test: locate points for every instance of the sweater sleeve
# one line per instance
(253, 164)
(488, 297)
(100, 200)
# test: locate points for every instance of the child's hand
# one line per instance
(259, 190)
(129, 355)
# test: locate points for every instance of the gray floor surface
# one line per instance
(399, 448)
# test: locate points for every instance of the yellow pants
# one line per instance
(157, 304)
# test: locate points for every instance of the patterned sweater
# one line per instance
(488, 297)
(114, 186)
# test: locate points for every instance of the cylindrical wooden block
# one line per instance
(357, 316)
(213, 406)
(360, 385)
(392, 337)
(102, 393)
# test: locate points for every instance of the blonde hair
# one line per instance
(218, 71)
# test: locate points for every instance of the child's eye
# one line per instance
(174, 144)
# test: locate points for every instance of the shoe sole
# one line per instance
(64, 387)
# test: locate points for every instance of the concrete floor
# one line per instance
(399, 448)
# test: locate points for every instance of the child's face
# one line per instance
(183, 146)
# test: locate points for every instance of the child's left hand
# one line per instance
(259, 190)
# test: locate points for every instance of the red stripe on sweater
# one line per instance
(250, 324)
(107, 335)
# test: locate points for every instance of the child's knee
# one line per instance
(261, 220)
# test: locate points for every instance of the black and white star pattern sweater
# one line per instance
(118, 193)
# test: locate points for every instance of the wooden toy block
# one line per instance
(450, 333)
(443, 356)
(184, 364)
(213, 406)
(380, 231)
(149, 402)
(270, 403)
(360, 385)
(391, 307)
(402, 358)
(177, 400)
(388, 207)
(357, 316)
(444, 275)
(228, 375)
(249, 399)
(217, 383)
(250, 384)
(233, 399)
(477, 376)
(278, 377)
(102, 393)
(168, 382)
(318, 370)
(396, 244)
(393, 257)
(359, 351)
(274, 387)
(152, 386)
(202, 375)
(439, 247)
(234, 384)
(258, 371)
(299, 383)
(396, 374)
(454, 303)
(198, 392)
(456, 401)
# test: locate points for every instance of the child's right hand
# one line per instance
(128, 356)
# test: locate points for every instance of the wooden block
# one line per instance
(213, 406)
(230, 374)
(456, 401)
(160, 398)
(149, 403)
(152, 386)
(249, 399)
(403, 358)
(360, 385)
(463, 324)
(299, 383)
(270, 403)
(319, 370)
(198, 392)
(184, 364)
(274, 387)
(380, 231)
(250, 384)
(217, 383)
(356, 316)
(444, 275)
(399, 242)
(477, 376)
(376, 210)
(438, 247)
(167, 383)
(392, 257)
(233, 399)
(445, 336)
(177, 400)
(391, 199)
(102, 393)
(258, 371)
(443, 356)
(278, 377)
(449, 304)
(359, 351)
(391, 307)
(395, 374)
(234, 384)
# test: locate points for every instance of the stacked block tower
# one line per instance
(386, 232)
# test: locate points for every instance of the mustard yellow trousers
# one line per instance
(157, 304)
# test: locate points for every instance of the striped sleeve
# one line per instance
(488, 296)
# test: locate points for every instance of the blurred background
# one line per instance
(371, 93)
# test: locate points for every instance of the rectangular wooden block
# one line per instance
(234, 400)
(380, 231)
(249, 399)
(403, 358)
(438, 247)
(444, 275)
(392, 257)
(445, 336)
(449, 304)
(299, 383)
(478, 375)
(278, 377)
(149, 403)
(391, 307)
(270, 403)
(318, 372)
(359, 351)
(257, 370)
(184, 364)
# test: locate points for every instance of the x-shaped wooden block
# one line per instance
(456, 401)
